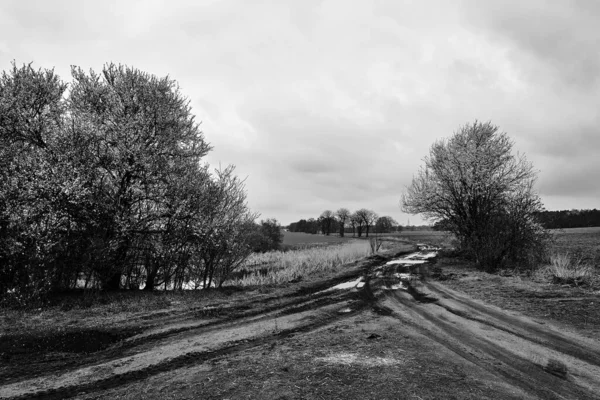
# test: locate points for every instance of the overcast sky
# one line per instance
(329, 104)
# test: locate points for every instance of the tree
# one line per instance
(356, 222)
(222, 237)
(268, 236)
(343, 215)
(35, 192)
(385, 224)
(483, 194)
(312, 226)
(137, 132)
(108, 183)
(327, 219)
(366, 218)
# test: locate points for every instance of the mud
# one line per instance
(508, 355)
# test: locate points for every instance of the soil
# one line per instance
(461, 334)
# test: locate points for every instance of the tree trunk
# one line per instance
(114, 282)
(150, 279)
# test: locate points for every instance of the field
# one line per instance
(285, 329)
(300, 239)
(581, 243)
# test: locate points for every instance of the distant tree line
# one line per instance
(103, 184)
(551, 219)
(569, 218)
(343, 221)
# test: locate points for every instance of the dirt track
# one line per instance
(420, 341)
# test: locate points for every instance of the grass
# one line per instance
(567, 270)
(281, 267)
(582, 243)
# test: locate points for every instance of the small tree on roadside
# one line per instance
(484, 194)
(270, 231)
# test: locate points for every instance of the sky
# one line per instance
(335, 103)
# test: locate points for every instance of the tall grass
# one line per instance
(280, 267)
(564, 269)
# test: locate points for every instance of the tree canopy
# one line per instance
(105, 182)
(484, 194)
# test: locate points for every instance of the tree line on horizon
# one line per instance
(560, 219)
(569, 219)
(343, 221)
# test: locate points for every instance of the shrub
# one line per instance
(566, 270)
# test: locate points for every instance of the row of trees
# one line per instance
(569, 218)
(553, 219)
(103, 180)
(344, 221)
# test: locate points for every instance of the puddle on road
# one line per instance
(423, 256)
(348, 285)
(408, 268)
(405, 261)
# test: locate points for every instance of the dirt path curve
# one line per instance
(531, 358)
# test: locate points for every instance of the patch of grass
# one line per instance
(583, 243)
(281, 267)
(567, 270)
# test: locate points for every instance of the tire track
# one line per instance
(497, 350)
(298, 316)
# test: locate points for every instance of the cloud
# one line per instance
(554, 38)
(324, 105)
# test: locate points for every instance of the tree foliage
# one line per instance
(266, 236)
(327, 220)
(569, 218)
(106, 183)
(385, 224)
(484, 194)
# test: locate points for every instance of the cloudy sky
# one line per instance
(328, 104)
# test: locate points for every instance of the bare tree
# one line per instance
(367, 217)
(357, 224)
(343, 215)
(327, 218)
(484, 194)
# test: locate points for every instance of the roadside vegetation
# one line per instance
(277, 267)
(103, 186)
(474, 186)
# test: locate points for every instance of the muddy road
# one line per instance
(380, 330)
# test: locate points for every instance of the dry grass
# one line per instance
(567, 270)
(281, 267)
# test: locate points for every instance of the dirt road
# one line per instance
(375, 332)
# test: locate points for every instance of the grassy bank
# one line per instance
(278, 267)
